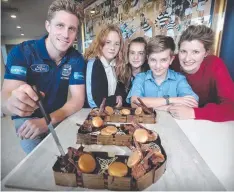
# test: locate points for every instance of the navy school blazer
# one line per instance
(97, 86)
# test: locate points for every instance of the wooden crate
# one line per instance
(105, 181)
(119, 118)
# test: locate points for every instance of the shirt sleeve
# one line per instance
(16, 67)
(137, 88)
(184, 89)
(77, 75)
(224, 110)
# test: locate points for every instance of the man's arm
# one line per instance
(74, 104)
(34, 127)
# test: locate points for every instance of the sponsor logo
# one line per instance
(18, 70)
(66, 71)
(40, 68)
(78, 75)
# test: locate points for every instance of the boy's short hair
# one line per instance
(160, 43)
(201, 33)
(69, 6)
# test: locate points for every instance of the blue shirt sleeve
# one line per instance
(16, 67)
(184, 89)
(77, 75)
(137, 87)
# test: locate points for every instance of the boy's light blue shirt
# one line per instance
(175, 85)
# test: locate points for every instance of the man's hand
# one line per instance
(181, 112)
(119, 101)
(22, 101)
(32, 128)
(188, 101)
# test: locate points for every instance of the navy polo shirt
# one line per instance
(30, 62)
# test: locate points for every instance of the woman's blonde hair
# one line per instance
(95, 49)
(126, 69)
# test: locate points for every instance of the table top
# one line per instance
(186, 170)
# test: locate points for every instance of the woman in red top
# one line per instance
(207, 75)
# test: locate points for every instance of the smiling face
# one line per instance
(111, 46)
(159, 63)
(136, 55)
(62, 29)
(191, 55)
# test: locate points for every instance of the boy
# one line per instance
(161, 87)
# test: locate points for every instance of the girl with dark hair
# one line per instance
(136, 62)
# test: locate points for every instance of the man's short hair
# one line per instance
(160, 43)
(69, 6)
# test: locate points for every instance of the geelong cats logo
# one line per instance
(66, 71)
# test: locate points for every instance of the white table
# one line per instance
(186, 169)
(215, 143)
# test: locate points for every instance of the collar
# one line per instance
(41, 48)
(106, 64)
(170, 75)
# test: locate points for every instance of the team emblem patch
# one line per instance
(18, 70)
(66, 71)
(40, 68)
(78, 75)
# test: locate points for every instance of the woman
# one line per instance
(136, 56)
(104, 56)
(207, 75)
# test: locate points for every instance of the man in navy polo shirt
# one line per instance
(53, 65)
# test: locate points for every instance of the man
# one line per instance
(53, 65)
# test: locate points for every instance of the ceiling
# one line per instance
(31, 16)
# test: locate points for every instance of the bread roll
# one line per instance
(97, 121)
(109, 110)
(109, 130)
(118, 169)
(125, 112)
(87, 163)
(138, 111)
(141, 135)
(134, 158)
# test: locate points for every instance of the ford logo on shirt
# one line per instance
(40, 68)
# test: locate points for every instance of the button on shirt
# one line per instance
(30, 62)
(110, 74)
(174, 85)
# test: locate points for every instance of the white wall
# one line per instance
(4, 42)
(14, 41)
(2, 69)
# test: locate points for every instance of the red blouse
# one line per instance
(215, 88)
